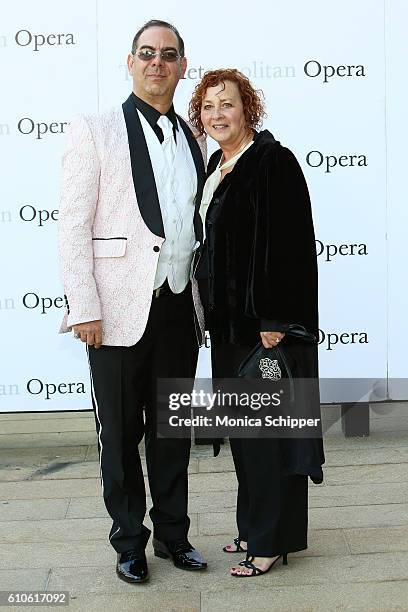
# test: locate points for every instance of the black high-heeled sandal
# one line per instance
(255, 570)
(237, 542)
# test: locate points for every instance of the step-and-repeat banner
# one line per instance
(333, 79)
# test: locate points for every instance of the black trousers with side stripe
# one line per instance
(124, 399)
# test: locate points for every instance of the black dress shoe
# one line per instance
(132, 566)
(183, 555)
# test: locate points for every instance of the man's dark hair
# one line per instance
(158, 24)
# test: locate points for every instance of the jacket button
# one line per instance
(156, 249)
(216, 201)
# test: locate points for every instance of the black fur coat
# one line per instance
(258, 271)
(261, 255)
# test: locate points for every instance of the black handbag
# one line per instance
(277, 362)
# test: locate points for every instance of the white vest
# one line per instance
(176, 189)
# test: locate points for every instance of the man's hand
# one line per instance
(271, 338)
(89, 332)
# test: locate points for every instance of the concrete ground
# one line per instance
(53, 525)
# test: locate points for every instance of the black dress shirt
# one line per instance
(152, 115)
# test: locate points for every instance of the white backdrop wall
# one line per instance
(397, 209)
(333, 79)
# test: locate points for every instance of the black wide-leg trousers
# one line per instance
(272, 506)
(124, 399)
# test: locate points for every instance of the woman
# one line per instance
(258, 273)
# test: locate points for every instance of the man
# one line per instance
(129, 227)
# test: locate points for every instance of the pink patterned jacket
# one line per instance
(108, 255)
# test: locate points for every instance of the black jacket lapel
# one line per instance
(142, 170)
(200, 168)
(213, 162)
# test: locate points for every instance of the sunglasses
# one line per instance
(167, 55)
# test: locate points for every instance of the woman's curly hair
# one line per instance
(252, 99)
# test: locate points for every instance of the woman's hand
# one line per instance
(271, 338)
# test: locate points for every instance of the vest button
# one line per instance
(156, 249)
